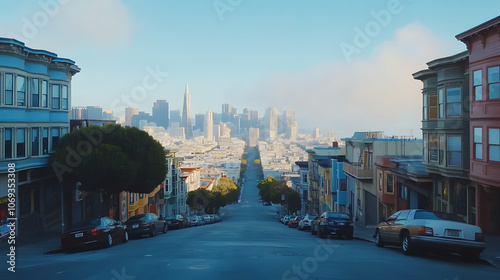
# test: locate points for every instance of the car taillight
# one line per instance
(145, 224)
(479, 237)
(325, 221)
(425, 231)
(94, 231)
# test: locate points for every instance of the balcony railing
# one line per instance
(357, 171)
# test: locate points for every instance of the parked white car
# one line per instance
(306, 222)
(418, 229)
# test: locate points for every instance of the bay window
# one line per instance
(454, 150)
(478, 85)
(493, 80)
(478, 143)
(453, 103)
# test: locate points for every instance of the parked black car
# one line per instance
(333, 223)
(97, 232)
(148, 223)
(176, 221)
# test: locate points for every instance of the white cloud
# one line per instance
(69, 23)
(374, 94)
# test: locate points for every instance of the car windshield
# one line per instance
(87, 223)
(427, 215)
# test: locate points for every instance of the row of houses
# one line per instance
(454, 168)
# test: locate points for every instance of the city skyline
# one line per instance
(325, 60)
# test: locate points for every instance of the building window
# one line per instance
(343, 185)
(56, 97)
(494, 144)
(433, 106)
(390, 183)
(454, 150)
(425, 145)
(304, 178)
(21, 91)
(64, 131)
(54, 132)
(441, 103)
(20, 142)
(141, 195)
(442, 148)
(493, 79)
(478, 85)
(433, 148)
(403, 192)
(35, 93)
(64, 97)
(453, 103)
(380, 181)
(426, 108)
(35, 141)
(478, 143)
(45, 141)
(45, 90)
(131, 198)
(9, 89)
(8, 143)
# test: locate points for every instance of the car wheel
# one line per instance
(164, 229)
(406, 244)
(109, 241)
(378, 239)
(313, 232)
(152, 232)
(125, 237)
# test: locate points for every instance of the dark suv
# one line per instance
(333, 223)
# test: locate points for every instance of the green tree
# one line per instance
(109, 160)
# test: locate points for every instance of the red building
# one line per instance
(483, 43)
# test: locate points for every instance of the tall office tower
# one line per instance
(271, 123)
(160, 113)
(316, 133)
(94, 113)
(199, 122)
(107, 115)
(254, 118)
(79, 113)
(209, 126)
(290, 124)
(186, 114)
(175, 116)
(253, 137)
(226, 113)
(129, 112)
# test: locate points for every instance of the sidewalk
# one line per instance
(491, 254)
(35, 245)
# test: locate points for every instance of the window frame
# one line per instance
(450, 104)
(20, 146)
(449, 152)
(55, 96)
(20, 90)
(497, 144)
(494, 82)
(477, 83)
(478, 142)
(34, 92)
(10, 91)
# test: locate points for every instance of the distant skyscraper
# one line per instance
(186, 114)
(209, 126)
(79, 113)
(107, 115)
(199, 122)
(160, 113)
(226, 112)
(316, 133)
(94, 113)
(175, 116)
(129, 112)
(271, 123)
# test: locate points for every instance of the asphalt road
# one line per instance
(249, 243)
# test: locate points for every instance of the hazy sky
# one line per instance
(342, 66)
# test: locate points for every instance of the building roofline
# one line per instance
(448, 60)
(478, 28)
